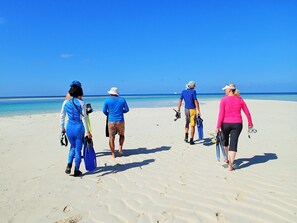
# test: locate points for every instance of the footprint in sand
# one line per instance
(73, 219)
(220, 217)
(227, 179)
(67, 209)
(239, 197)
(166, 216)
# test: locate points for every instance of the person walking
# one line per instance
(230, 121)
(76, 126)
(114, 108)
(192, 110)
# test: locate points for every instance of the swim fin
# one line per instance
(220, 145)
(200, 127)
(89, 155)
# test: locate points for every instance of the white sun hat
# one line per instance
(191, 83)
(113, 91)
(229, 87)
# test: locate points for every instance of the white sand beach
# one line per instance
(159, 179)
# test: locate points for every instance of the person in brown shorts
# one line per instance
(114, 108)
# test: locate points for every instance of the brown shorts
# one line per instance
(116, 128)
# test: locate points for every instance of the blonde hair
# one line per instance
(235, 91)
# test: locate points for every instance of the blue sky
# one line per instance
(147, 46)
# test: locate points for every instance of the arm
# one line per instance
(126, 107)
(62, 117)
(221, 115)
(104, 109)
(179, 104)
(197, 107)
(248, 114)
(85, 119)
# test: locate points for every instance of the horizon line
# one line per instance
(137, 94)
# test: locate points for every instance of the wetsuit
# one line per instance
(75, 127)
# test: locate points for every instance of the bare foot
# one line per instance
(113, 155)
(120, 151)
(230, 168)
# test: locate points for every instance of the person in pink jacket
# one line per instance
(230, 121)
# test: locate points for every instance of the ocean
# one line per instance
(39, 105)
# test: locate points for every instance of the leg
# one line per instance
(121, 132)
(70, 160)
(186, 132)
(78, 148)
(187, 115)
(121, 142)
(77, 143)
(192, 132)
(192, 135)
(111, 145)
(225, 138)
(71, 155)
(112, 130)
(71, 137)
(192, 124)
(234, 136)
(231, 161)
(226, 148)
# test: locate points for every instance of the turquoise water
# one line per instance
(39, 105)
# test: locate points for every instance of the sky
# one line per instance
(147, 46)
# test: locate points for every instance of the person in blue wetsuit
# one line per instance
(114, 108)
(192, 109)
(76, 126)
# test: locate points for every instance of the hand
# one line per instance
(89, 135)
(217, 130)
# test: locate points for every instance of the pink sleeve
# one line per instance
(247, 113)
(221, 114)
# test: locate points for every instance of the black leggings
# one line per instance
(233, 130)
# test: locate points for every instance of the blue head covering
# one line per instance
(75, 83)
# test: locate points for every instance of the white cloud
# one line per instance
(2, 20)
(66, 55)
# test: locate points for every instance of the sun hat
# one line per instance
(228, 86)
(191, 83)
(113, 91)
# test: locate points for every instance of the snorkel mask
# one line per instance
(89, 108)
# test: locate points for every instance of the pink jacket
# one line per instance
(230, 111)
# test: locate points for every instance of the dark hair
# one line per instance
(75, 91)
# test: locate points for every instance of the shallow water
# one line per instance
(39, 105)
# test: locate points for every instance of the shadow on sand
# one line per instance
(105, 170)
(246, 162)
(111, 169)
(205, 141)
(131, 152)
